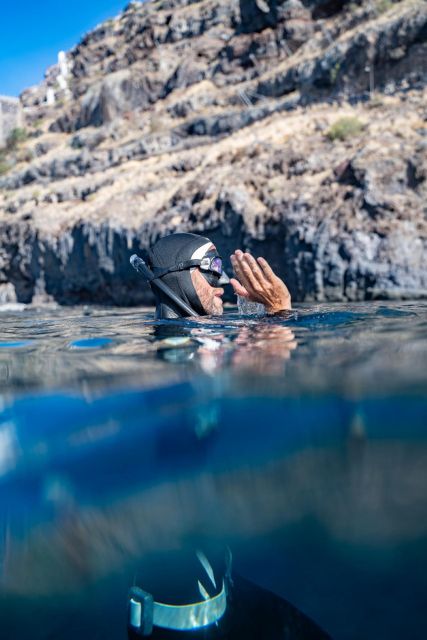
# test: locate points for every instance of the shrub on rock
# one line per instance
(345, 127)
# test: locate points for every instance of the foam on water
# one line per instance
(248, 308)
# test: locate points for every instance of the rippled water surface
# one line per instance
(301, 443)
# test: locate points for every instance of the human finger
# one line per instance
(236, 261)
(238, 288)
(256, 271)
(245, 266)
(266, 269)
(236, 255)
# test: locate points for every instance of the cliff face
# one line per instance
(296, 129)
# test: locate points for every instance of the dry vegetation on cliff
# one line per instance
(297, 129)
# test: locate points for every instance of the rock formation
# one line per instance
(10, 117)
(296, 129)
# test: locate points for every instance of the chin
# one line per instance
(218, 309)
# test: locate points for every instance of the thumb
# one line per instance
(238, 288)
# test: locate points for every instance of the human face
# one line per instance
(210, 297)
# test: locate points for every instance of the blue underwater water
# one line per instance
(300, 443)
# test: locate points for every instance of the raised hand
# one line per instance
(257, 282)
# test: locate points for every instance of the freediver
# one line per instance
(192, 594)
(186, 275)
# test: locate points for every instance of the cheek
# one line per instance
(206, 297)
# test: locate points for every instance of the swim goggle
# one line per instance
(210, 266)
(212, 269)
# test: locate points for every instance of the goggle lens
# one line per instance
(213, 264)
(216, 265)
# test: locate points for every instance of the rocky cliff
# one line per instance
(296, 129)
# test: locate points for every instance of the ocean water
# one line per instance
(300, 443)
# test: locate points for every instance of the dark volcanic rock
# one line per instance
(84, 265)
(395, 53)
(256, 15)
(117, 93)
(325, 8)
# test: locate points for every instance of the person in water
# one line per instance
(195, 593)
(188, 277)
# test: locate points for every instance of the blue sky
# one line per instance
(32, 33)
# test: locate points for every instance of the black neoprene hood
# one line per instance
(168, 252)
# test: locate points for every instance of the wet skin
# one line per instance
(255, 280)
(210, 297)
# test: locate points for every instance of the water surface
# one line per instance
(301, 443)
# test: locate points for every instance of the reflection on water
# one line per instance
(300, 443)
